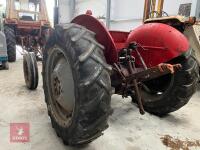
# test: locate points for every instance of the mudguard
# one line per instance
(161, 43)
(102, 36)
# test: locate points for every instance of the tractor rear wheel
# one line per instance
(77, 84)
(171, 92)
(11, 43)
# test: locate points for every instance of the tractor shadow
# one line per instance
(124, 109)
(127, 114)
(90, 146)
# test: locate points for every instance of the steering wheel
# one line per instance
(164, 14)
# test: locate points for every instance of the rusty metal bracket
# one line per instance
(154, 72)
(137, 92)
(131, 77)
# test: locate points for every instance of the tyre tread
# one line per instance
(94, 110)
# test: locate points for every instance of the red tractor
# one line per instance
(84, 64)
(26, 23)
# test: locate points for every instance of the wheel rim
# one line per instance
(60, 86)
(155, 89)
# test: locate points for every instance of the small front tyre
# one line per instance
(30, 69)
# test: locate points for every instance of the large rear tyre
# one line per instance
(77, 84)
(171, 92)
(11, 43)
(30, 69)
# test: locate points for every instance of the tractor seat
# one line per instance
(26, 18)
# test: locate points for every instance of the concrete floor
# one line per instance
(128, 129)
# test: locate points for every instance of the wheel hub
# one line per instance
(57, 86)
(61, 87)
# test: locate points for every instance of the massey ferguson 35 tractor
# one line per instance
(84, 64)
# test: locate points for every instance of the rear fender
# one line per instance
(102, 36)
(161, 43)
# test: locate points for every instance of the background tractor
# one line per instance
(26, 23)
(84, 64)
(3, 47)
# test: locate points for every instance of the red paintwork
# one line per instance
(26, 27)
(161, 42)
(119, 38)
(102, 35)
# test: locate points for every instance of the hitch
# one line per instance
(131, 77)
(137, 92)
(151, 73)
(154, 72)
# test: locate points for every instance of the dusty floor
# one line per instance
(128, 129)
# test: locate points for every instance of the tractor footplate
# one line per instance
(155, 72)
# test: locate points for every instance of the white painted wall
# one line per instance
(125, 14)
(128, 14)
(98, 7)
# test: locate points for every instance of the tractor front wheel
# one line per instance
(171, 92)
(30, 69)
(77, 84)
